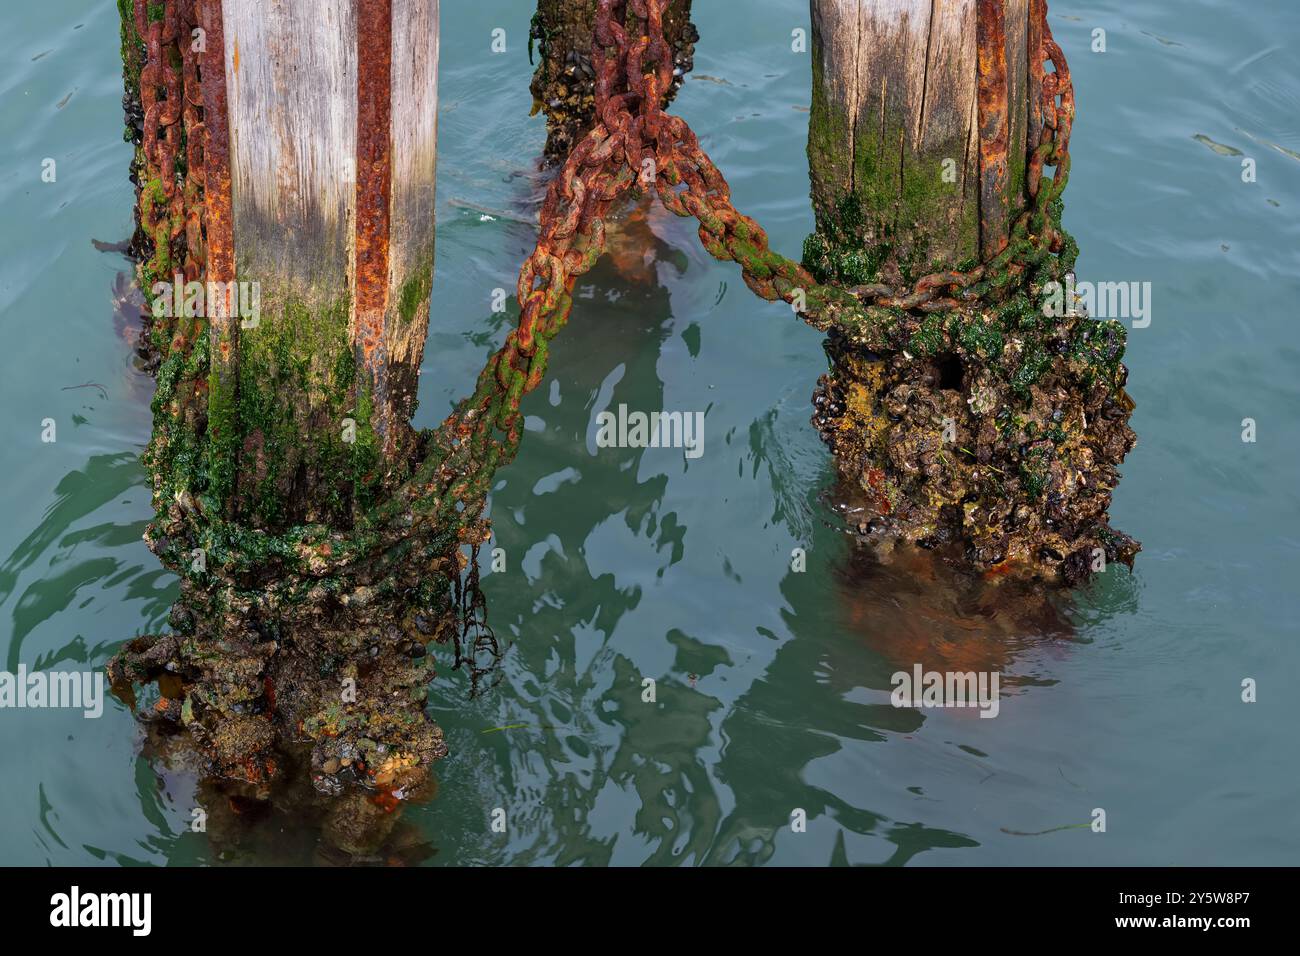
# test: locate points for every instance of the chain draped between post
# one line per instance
(635, 143)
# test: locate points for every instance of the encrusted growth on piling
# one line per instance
(992, 433)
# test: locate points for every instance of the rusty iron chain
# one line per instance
(172, 178)
(635, 141)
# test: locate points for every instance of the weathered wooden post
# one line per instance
(332, 128)
(285, 167)
(564, 85)
(995, 424)
(917, 145)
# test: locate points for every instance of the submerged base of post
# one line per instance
(338, 669)
(992, 432)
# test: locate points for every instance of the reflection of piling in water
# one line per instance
(986, 422)
(914, 606)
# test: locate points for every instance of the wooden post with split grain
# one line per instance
(917, 141)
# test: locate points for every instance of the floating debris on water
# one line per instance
(1219, 148)
(1165, 40)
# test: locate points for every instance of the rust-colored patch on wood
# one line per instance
(994, 134)
(216, 150)
(1034, 51)
(218, 214)
(374, 192)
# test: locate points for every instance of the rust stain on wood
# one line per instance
(373, 194)
(994, 135)
(1034, 52)
(1017, 28)
(216, 149)
(219, 218)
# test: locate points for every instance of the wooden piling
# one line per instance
(285, 156)
(917, 134)
(988, 425)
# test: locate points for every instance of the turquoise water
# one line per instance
(773, 686)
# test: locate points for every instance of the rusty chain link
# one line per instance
(172, 175)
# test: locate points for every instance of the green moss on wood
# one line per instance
(883, 210)
(415, 291)
(297, 408)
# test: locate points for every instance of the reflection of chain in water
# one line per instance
(471, 609)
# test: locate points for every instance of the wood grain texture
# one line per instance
(291, 83)
(947, 128)
(894, 97)
(415, 138)
(893, 100)
(414, 176)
